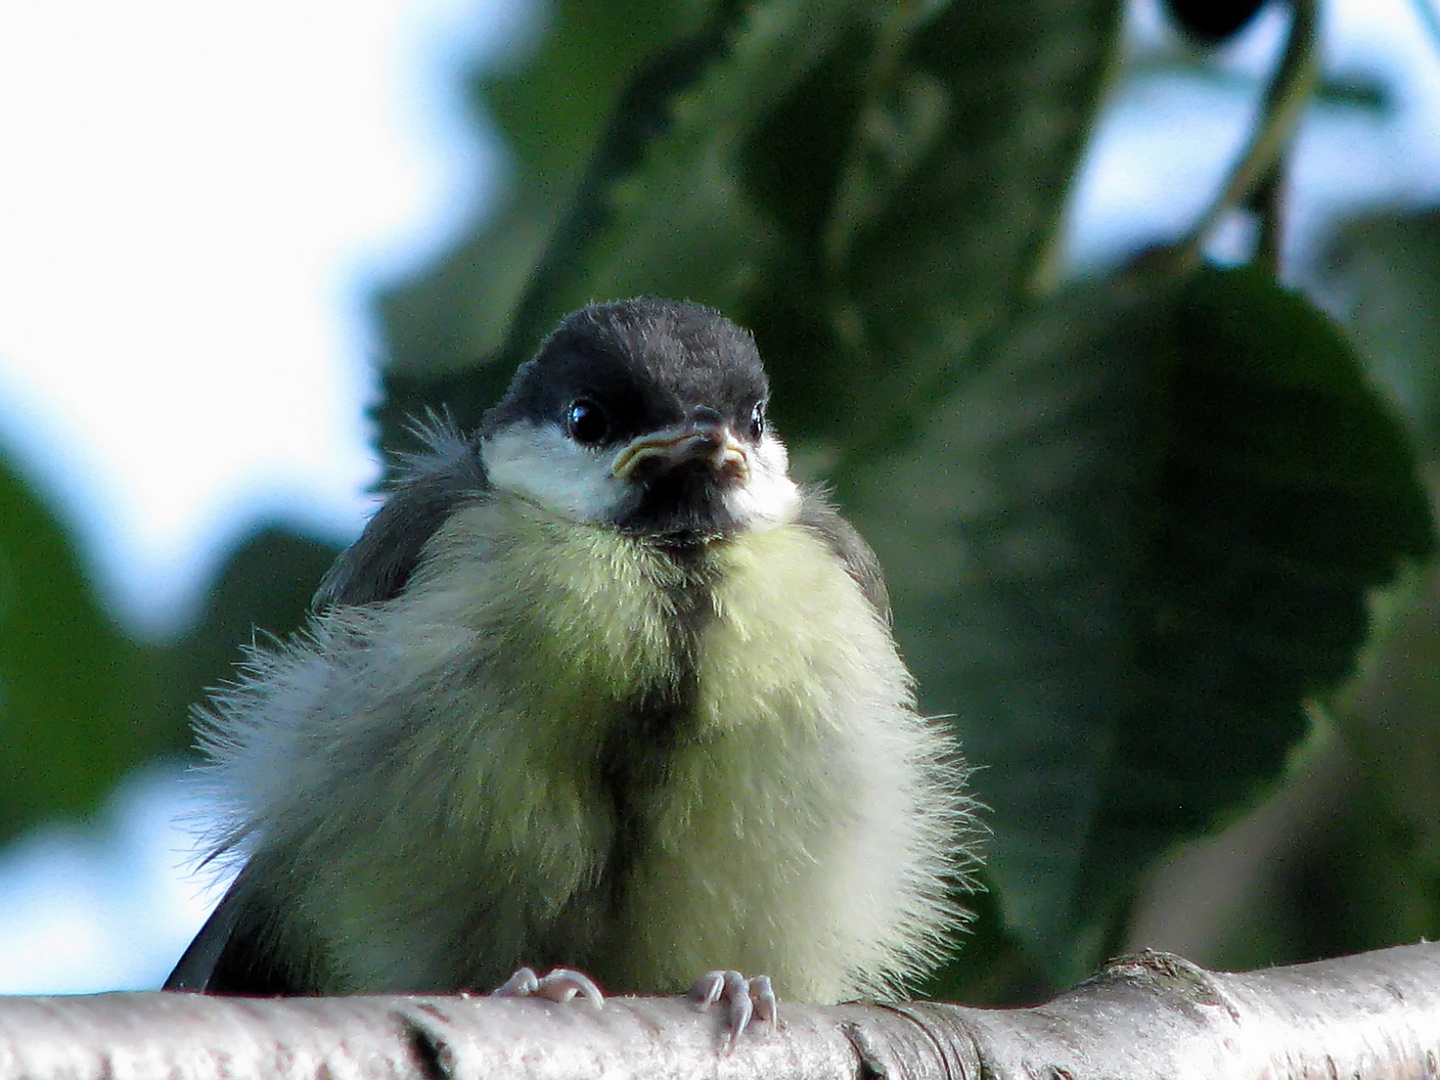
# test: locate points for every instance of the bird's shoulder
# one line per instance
(446, 473)
(819, 515)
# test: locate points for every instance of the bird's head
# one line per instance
(647, 415)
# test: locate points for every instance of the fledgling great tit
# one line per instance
(602, 688)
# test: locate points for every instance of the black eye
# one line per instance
(585, 422)
(757, 421)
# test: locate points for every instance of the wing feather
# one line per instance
(379, 565)
(818, 514)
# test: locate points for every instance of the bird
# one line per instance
(601, 689)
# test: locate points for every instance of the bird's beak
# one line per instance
(660, 451)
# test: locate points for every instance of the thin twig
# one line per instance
(1289, 90)
(1267, 202)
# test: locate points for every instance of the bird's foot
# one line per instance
(744, 998)
(560, 985)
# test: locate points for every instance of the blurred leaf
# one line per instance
(1288, 493)
(553, 108)
(263, 589)
(1382, 278)
(70, 683)
(1322, 867)
(679, 219)
(81, 702)
(851, 181)
(990, 966)
(978, 124)
(1133, 543)
(1391, 721)
(1011, 533)
(1367, 882)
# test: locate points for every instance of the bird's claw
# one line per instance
(560, 985)
(745, 998)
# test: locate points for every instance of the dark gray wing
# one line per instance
(817, 514)
(196, 965)
(244, 948)
(250, 946)
(379, 564)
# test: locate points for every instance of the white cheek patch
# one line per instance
(769, 498)
(541, 464)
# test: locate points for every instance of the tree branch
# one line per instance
(1149, 1015)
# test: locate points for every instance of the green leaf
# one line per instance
(81, 702)
(823, 182)
(554, 107)
(977, 121)
(71, 685)
(1382, 275)
(859, 184)
(263, 591)
(1134, 542)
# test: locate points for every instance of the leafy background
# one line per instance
(1158, 535)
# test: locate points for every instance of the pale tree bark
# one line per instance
(1150, 1015)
